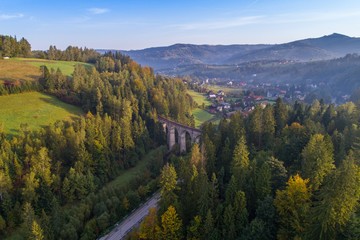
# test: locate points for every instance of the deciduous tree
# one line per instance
(171, 224)
(292, 205)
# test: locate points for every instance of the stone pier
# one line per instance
(181, 129)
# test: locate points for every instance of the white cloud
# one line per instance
(221, 24)
(11, 16)
(97, 10)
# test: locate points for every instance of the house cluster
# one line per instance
(218, 102)
(245, 105)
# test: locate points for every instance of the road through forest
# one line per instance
(121, 230)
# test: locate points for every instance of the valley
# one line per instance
(318, 66)
(185, 141)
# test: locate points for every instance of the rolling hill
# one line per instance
(164, 59)
(186, 54)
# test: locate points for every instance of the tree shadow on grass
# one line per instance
(72, 109)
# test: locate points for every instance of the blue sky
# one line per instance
(137, 24)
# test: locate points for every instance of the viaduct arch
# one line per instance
(171, 126)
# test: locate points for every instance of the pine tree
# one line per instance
(194, 230)
(240, 162)
(210, 155)
(24, 48)
(28, 217)
(268, 126)
(2, 224)
(196, 157)
(225, 160)
(240, 211)
(280, 115)
(208, 225)
(229, 227)
(336, 201)
(318, 160)
(168, 183)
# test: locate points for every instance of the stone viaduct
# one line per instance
(181, 129)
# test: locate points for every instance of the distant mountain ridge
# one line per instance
(311, 49)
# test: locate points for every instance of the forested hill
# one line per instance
(283, 172)
(323, 48)
(53, 182)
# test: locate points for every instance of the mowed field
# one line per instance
(35, 109)
(12, 70)
(200, 115)
(28, 69)
(66, 67)
(199, 98)
(227, 90)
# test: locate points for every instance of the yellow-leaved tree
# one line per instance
(171, 224)
(293, 205)
(149, 228)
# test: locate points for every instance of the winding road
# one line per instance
(123, 228)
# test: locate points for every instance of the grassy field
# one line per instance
(199, 98)
(35, 109)
(227, 90)
(66, 67)
(12, 70)
(201, 116)
(28, 69)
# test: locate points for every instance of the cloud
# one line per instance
(97, 11)
(11, 16)
(221, 24)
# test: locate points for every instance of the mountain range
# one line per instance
(327, 47)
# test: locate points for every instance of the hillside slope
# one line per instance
(34, 109)
(28, 69)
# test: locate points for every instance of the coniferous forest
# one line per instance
(283, 172)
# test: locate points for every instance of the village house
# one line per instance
(221, 93)
(211, 94)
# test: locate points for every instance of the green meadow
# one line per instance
(35, 109)
(66, 67)
(227, 90)
(201, 116)
(28, 69)
(199, 98)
